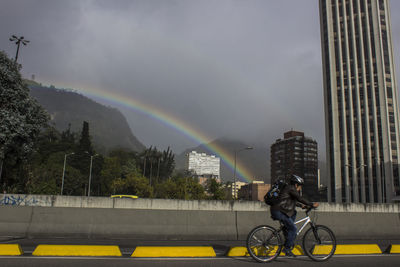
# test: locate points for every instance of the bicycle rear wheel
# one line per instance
(264, 243)
(319, 243)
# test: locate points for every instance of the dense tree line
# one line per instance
(146, 174)
(35, 158)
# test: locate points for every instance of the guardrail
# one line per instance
(102, 217)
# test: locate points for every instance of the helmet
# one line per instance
(294, 179)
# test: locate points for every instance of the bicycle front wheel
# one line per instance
(264, 243)
(319, 243)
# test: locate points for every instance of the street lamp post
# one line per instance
(65, 160)
(234, 169)
(18, 42)
(90, 172)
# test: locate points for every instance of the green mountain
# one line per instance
(108, 127)
(256, 161)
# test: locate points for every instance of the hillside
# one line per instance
(108, 126)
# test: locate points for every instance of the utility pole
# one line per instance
(90, 170)
(62, 181)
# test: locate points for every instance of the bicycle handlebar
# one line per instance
(308, 209)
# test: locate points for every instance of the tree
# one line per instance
(21, 117)
(83, 151)
(194, 190)
(110, 172)
(134, 184)
(119, 164)
(47, 143)
(167, 164)
(85, 144)
(68, 138)
(180, 186)
(215, 189)
(45, 178)
(168, 190)
(156, 165)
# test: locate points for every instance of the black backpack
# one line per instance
(272, 197)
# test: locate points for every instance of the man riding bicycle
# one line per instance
(285, 211)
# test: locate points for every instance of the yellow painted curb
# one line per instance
(76, 250)
(322, 249)
(238, 252)
(10, 250)
(149, 252)
(297, 250)
(358, 249)
(395, 249)
(242, 252)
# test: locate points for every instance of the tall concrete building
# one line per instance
(203, 165)
(361, 108)
(296, 154)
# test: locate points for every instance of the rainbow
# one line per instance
(174, 123)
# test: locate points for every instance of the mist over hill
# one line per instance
(108, 126)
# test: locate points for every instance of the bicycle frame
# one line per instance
(307, 221)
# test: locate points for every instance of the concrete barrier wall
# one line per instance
(101, 217)
(32, 222)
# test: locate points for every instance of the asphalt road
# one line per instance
(342, 261)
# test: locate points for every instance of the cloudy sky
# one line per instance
(248, 69)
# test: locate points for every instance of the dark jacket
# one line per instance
(288, 199)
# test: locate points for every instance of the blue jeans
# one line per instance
(288, 222)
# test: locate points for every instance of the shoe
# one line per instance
(289, 253)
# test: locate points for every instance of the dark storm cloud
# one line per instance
(245, 69)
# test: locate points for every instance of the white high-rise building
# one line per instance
(203, 165)
(361, 104)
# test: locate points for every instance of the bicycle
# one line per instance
(264, 242)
